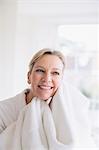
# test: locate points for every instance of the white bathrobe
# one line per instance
(62, 126)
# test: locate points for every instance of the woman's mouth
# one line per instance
(44, 87)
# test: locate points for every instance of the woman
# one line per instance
(45, 117)
(44, 76)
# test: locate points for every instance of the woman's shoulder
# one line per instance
(13, 100)
(10, 109)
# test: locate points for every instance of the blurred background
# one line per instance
(71, 26)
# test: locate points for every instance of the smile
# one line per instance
(43, 87)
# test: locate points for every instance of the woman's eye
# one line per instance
(39, 70)
(56, 73)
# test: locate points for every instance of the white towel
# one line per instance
(64, 126)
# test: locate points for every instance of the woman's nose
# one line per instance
(47, 77)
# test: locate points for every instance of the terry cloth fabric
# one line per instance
(62, 126)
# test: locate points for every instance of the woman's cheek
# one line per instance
(35, 76)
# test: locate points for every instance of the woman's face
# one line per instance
(46, 76)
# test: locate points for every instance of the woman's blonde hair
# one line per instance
(43, 52)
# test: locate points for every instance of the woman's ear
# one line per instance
(28, 78)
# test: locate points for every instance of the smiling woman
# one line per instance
(48, 115)
(45, 73)
(44, 77)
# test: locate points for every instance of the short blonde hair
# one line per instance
(43, 52)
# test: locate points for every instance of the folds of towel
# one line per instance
(62, 126)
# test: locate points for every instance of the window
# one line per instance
(79, 43)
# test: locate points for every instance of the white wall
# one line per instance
(26, 26)
(7, 48)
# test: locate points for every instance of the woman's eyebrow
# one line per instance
(39, 67)
(56, 68)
